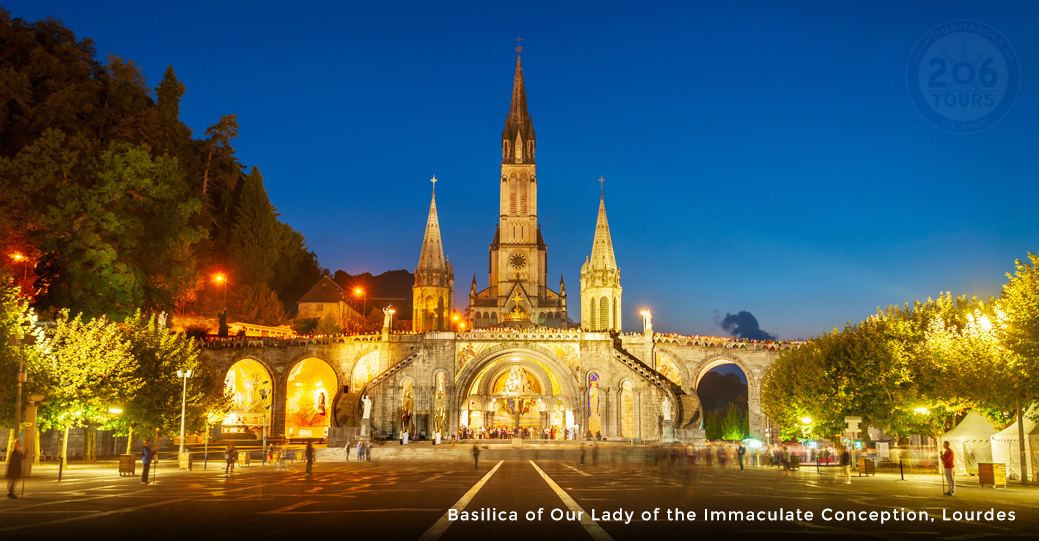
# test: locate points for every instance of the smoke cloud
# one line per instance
(744, 325)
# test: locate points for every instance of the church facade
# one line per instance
(513, 363)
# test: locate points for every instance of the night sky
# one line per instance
(758, 157)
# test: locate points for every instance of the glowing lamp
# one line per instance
(806, 420)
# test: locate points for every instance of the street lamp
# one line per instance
(26, 339)
(222, 280)
(364, 300)
(390, 311)
(264, 391)
(19, 257)
(184, 375)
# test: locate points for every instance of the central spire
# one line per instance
(602, 244)
(432, 256)
(518, 134)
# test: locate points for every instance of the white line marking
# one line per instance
(593, 529)
(438, 529)
(578, 471)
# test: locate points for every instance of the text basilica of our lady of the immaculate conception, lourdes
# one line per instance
(514, 364)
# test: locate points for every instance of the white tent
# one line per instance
(1005, 449)
(971, 442)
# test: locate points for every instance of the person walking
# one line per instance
(582, 454)
(740, 451)
(309, 454)
(14, 468)
(949, 465)
(146, 459)
(229, 457)
(846, 465)
(347, 449)
(476, 456)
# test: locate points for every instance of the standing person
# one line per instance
(476, 456)
(15, 468)
(740, 451)
(270, 452)
(309, 454)
(146, 459)
(949, 465)
(229, 457)
(582, 454)
(347, 449)
(846, 465)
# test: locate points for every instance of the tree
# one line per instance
(304, 326)
(328, 325)
(16, 320)
(83, 369)
(734, 426)
(156, 406)
(255, 303)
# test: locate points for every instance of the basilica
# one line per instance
(514, 363)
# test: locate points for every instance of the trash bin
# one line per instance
(186, 461)
(127, 465)
(795, 462)
(243, 458)
(867, 467)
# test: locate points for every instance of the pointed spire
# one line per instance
(432, 256)
(519, 128)
(602, 244)
(562, 286)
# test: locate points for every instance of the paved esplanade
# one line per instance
(409, 499)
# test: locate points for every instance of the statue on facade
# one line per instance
(386, 315)
(647, 321)
(666, 408)
(161, 319)
(367, 402)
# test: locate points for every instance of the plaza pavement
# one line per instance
(409, 499)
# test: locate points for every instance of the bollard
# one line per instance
(901, 472)
(205, 462)
(61, 463)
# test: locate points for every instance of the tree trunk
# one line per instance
(65, 447)
(88, 451)
(1021, 443)
(36, 448)
(129, 440)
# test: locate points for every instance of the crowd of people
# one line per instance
(505, 432)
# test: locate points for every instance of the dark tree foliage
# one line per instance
(114, 203)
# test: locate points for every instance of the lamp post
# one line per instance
(184, 375)
(222, 280)
(364, 300)
(264, 392)
(26, 339)
(17, 256)
(390, 311)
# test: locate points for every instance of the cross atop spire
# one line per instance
(518, 134)
(434, 181)
(601, 180)
(519, 49)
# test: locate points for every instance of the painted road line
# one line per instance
(438, 529)
(593, 529)
(578, 471)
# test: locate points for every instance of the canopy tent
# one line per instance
(971, 442)
(1006, 449)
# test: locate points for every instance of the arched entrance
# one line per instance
(310, 388)
(517, 391)
(243, 383)
(723, 389)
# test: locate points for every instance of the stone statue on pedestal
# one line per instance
(367, 402)
(666, 408)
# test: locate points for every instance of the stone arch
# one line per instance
(368, 360)
(243, 379)
(683, 370)
(309, 398)
(568, 383)
(718, 359)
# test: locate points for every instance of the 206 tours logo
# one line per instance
(963, 76)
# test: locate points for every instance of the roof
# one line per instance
(325, 290)
(973, 427)
(602, 244)
(432, 256)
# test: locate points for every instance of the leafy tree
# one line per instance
(16, 320)
(328, 325)
(735, 425)
(255, 303)
(158, 355)
(83, 369)
(304, 326)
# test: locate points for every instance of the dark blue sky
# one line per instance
(764, 157)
